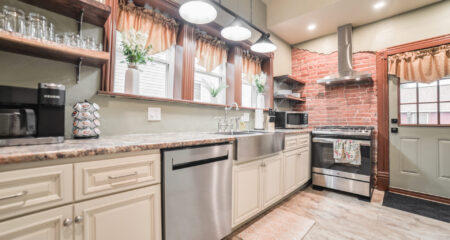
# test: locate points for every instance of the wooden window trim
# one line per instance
(383, 101)
(184, 64)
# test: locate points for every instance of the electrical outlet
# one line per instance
(246, 117)
(154, 114)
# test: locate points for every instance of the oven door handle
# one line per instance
(332, 140)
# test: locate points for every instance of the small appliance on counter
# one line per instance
(32, 116)
(291, 119)
(86, 120)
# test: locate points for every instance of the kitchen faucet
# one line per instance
(225, 125)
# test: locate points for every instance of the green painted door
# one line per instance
(420, 151)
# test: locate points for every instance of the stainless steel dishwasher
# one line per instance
(197, 192)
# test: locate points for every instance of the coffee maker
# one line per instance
(32, 116)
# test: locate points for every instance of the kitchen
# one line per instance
(283, 119)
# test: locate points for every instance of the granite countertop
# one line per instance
(107, 145)
(72, 148)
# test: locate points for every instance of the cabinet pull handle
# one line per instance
(122, 176)
(78, 219)
(20, 194)
(67, 222)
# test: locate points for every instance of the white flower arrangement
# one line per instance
(260, 81)
(133, 47)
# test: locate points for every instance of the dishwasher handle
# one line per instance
(198, 162)
(194, 156)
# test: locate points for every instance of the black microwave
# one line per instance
(291, 119)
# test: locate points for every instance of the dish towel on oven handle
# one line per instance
(352, 150)
(347, 151)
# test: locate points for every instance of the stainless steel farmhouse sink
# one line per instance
(251, 145)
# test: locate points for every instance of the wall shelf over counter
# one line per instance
(288, 79)
(290, 98)
(94, 12)
(16, 44)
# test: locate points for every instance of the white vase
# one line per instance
(214, 100)
(132, 79)
(260, 101)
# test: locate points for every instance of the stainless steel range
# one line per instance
(330, 172)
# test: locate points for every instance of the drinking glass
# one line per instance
(59, 38)
(33, 25)
(21, 27)
(2, 21)
(51, 32)
(10, 18)
(42, 30)
(100, 47)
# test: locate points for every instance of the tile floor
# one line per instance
(340, 216)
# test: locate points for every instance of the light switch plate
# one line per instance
(154, 114)
(246, 117)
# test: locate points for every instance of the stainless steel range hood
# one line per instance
(346, 73)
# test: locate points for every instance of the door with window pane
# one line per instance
(420, 151)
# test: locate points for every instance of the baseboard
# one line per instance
(420, 195)
(382, 181)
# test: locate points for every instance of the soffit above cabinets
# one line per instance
(289, 19)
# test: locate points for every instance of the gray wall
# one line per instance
(118, 115)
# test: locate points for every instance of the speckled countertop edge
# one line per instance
(72, 148)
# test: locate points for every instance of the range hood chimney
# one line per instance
(346, 73)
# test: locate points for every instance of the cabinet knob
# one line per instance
(78, 219)
(67, 222)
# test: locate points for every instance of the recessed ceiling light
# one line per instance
(198, 12)
(311, 27)
(379, 5)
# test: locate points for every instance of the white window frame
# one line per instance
(170, 70)
(254, 92)
(221, 76)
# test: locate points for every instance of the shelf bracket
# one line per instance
(78, 70)
(80, 24)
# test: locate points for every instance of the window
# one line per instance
(155, 78)
(248, 93)
(425, 103)
(215, 78)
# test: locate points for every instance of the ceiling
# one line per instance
(289, 19)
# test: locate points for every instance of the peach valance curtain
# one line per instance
(161, 29)
(210, 51)
(251, 65)
(427, 65)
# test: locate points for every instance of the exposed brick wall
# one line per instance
(348, 105)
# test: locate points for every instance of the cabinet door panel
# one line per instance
(303, 167)
(246, 191)
(47, 225)
(290, 164)
(272, 180)
(131, 215)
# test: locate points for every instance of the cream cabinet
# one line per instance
(131, 209)
(303, 167)
(291, 168)
(54, 224)
(130, 215)
(246, 191)
(272, 182)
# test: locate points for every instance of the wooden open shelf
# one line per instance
(290, 98)
(53, 51)
(94, 12)
(289, 79)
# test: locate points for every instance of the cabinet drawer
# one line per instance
(28, 190)
(303, 141)
(290, 142)
(108, 176)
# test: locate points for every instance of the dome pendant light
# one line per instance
(263, 45)
(198, 12)
(236, 31)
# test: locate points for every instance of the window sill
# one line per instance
(148, 98)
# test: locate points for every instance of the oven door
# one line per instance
(323, 160)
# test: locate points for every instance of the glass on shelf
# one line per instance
(33, 26)
(21, 27)
(10, 18)
(43, 28)
(51, 32)
(2, 21)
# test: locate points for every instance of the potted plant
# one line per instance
(135, 52)
(260, 83)
(213, 90)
